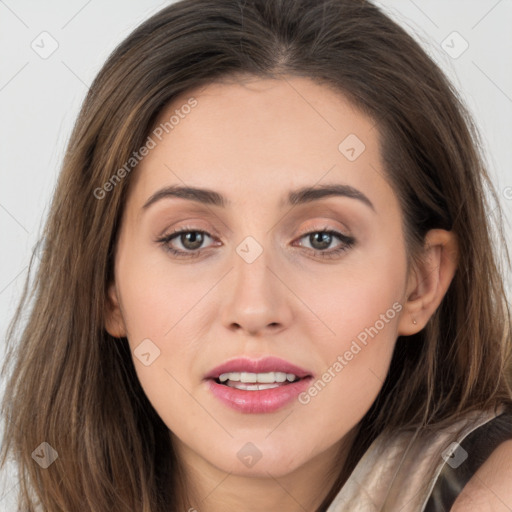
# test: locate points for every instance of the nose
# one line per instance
(257, 300)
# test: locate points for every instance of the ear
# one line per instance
(114, 323)
(429, 280)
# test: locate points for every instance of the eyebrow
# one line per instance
(295, 197)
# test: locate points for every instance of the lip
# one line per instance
(267, 364)
(258, 402)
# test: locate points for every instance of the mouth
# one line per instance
(257, 386)
(256, 381)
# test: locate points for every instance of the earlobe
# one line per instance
(114, 323)
(429, 280)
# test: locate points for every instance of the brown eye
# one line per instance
(321, 240)
(185, 242)
(191, 240)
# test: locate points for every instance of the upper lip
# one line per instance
(264, 365)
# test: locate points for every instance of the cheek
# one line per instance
(362, 311)
(160, 303)
(356, 360)
(157, 307)
(363, 294)
(155, 296)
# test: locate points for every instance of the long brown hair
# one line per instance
(72, 385)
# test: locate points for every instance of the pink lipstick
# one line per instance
(257, 386)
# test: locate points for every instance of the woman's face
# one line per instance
(254, 277)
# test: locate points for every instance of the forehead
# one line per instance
(270, 111)
(261, 137)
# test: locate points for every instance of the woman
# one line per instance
(269, 280)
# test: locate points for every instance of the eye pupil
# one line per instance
(194, 237)
(325, 240)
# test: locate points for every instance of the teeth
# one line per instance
(265, 378)
(229, 376)
(249, 387)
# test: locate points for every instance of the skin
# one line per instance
(253, 142)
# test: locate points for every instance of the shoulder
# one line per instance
(490, 488)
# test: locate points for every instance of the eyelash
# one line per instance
(347, 243)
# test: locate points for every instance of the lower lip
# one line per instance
(257, 402)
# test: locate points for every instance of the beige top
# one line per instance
(392, 474)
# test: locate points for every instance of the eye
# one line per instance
(323, 239)
(190, 241)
